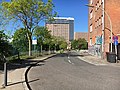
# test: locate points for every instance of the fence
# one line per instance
(25, 55)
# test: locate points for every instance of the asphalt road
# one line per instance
(67, 72)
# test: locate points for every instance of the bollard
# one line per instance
(5, 74)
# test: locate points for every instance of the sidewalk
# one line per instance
(95, 59)
(16, 77)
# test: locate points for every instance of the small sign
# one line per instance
(115, 38)
(116, 42)
(34, 40)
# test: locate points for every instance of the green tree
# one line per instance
(63, 45)
(5, 47)
(3, 42)
(29, 13)
(79, 44)
(74, 44)
(20, 40)
(48, 41)
(82, 43)
(55, 41)
(42, 35)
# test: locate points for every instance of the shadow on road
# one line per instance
(26, 73)
(22, 63)
(10, 84)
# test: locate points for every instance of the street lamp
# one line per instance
(92, 6)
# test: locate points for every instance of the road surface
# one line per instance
(68, 72)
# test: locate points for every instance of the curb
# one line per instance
(24, 76)
(99, 64)
(94, 63)
(86, 60)
(23, 79)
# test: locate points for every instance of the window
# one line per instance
(102, 20)
(91, 14)
(95, 24)
(91, 28)
(100, 2)
(97, 5)
(91, 1)
(99, 21)
(90, 41)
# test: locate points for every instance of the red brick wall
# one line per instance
(112, 7)
(97, 15)
(78, 35)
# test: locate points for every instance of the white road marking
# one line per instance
(68, 57)
(70, 62)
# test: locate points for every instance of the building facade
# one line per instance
(103, 24)
(78, 35)
(62, 27)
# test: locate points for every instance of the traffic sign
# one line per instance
(116, 42)
(34, 38)
(115, 38)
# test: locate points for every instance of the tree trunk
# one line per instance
(55, 48)
(30, 47)
(49, 49)
(30, 43)
(41, 49)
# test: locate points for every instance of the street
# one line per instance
(68, 72)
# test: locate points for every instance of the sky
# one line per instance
(71, 8)
(75, 9)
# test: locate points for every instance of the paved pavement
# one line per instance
(95, 59)
(16, 77)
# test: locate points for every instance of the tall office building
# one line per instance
(103, 24)
(63, 27)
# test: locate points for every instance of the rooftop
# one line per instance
(67, 18)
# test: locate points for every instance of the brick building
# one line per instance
(102, 17)
(78, 35)
(63, 27)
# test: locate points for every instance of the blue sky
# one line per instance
(75, 9)
(71, 8)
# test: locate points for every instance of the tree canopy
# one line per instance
(20, 41)
(5, 48)
(29, 13)
(42, 34)
(79, 44)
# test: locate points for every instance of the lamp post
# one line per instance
(92, 6)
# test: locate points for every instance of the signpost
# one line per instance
(115, 39)
(34, 41)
